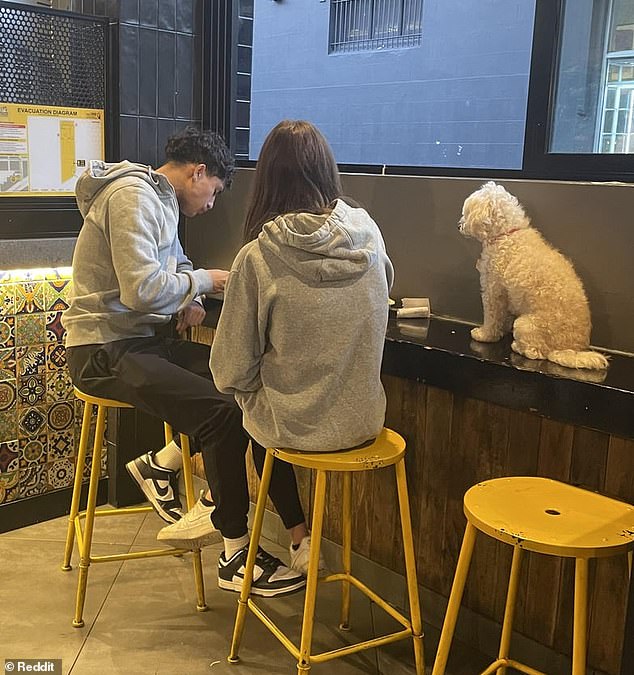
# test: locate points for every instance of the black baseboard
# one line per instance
(40, 508)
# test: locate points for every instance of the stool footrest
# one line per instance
(510, 663)
(333, 653)
(369, 593)
(135, 555)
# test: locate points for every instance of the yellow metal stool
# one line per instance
(84, 537)
(545, 516)
(387, 450)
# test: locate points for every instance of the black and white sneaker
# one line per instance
(158, 484)
(270, 576)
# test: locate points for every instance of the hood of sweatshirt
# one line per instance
(101, 174)
(342, 244)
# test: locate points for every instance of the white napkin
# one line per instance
(414, 308)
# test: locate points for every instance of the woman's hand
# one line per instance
(219, 278)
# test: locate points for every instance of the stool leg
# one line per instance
(250, 564)
(84, 562)
(169, 434)
(201, 603)
(346, 554)
(580, 629)
(79, 470)
(455, 597)
(303, 666)
(509, 611)
(410, 567)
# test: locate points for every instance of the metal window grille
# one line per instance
(361, 25)
(51, 59)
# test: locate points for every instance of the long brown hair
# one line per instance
(296, 171)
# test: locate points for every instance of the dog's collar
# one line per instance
(505, 234)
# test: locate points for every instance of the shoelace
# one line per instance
(265, 560)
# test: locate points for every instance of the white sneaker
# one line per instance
(194, 530)
(300, 557)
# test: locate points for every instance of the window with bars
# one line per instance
(361, 25)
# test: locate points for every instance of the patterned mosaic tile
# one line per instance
(61, 445)
(31, 360)
(29, 297)
(7, 299)
(9, 489)
(9, 457)
(31, 389)
(7, 331)
(55, 356)
(60, 474)
(7, 364)
(55, 332)
(56, 295)
(29, 329)
(33, 480)
(31, 421)
(8, 425)
(33, 450)
(7, 395)
(104, 463)
(59, 386)
(61, 416)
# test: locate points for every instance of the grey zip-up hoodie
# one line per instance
(300, 338)
(129, 269)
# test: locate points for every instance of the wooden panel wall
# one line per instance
(454, 442)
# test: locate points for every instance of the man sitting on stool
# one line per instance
(130, 274)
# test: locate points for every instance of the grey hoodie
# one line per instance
(129, 269)
(300, 338)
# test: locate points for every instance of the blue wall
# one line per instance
(459, 99)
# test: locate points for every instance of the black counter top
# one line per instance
(440, 352)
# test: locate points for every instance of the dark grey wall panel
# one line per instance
(148, 59)
(166, 73)
(148, 13)
(147, 141)
(184, 75)
(167, 14)
(129, 11)
(129, 136)
(129, 70)
(185, 10)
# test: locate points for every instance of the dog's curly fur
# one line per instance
(527, 285)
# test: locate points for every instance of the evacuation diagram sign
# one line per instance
(44, 149)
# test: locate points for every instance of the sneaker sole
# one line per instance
(140, 481)
(208, 539)
(262, 592)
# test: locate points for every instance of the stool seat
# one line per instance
(387, 449)
(546, 516)
(96, 400)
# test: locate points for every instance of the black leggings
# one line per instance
(171, 380)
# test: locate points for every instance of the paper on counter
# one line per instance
(412, 313)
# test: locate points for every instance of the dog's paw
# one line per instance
(482, 334)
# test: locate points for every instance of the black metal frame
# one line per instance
(52, 217)
(538, 161)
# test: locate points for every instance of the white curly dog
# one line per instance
(527, 285)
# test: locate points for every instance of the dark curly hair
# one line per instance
(202, 147)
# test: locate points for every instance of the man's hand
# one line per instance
(219, 277)
(189, 316)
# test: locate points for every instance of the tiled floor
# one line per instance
(141, 618)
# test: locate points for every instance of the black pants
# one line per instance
(171, 380)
